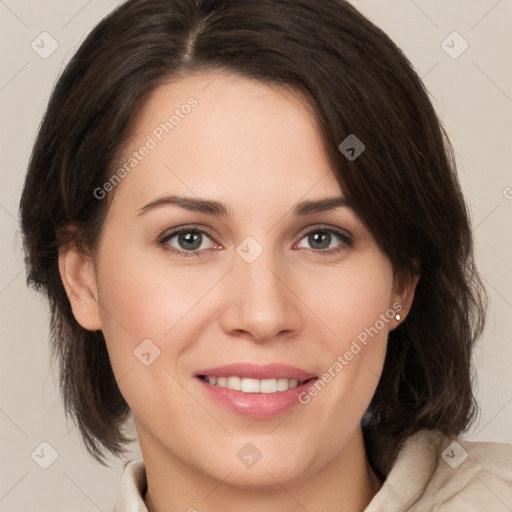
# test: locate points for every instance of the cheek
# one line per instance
(142, 299)
(148, 292)
(352, 298)
(144, 309)
(354, 304)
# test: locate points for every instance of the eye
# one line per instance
(192, 241)
(187, 241)
(325, 240)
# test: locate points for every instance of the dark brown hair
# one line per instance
(403, 186)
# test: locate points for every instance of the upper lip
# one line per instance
(253, 371)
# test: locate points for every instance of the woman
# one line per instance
(247, 220)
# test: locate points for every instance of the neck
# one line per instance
(346, 483)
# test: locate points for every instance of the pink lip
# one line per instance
(252, 371)
(257, 405)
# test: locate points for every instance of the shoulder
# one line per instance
(472, 475)
(434, 472)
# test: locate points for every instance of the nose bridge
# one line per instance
(261, 304)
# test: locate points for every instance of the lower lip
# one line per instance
(257, 405)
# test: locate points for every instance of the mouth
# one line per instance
(255, 391)
(248, 385)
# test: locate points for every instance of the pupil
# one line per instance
(319, 238)
(190, 240)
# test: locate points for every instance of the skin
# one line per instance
(256, 149)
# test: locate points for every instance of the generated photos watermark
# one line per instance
(152, 141)
(357, 345)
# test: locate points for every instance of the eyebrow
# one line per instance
(216, 208)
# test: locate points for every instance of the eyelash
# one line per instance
(346, 240)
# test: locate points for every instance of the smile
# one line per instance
(255, 391)
(248, 385)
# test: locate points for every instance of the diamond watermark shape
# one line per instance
(44, 45)
(454, 45)
(249, 455)
(454, 455)
(44, 455)
(146, 352)
(351, 147)
(249, 250)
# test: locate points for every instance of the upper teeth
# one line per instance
(254, 385)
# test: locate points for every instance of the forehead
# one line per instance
(227, 137)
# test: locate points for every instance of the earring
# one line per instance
(398, 317)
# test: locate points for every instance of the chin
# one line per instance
(264, 473)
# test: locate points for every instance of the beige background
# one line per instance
(473, 95)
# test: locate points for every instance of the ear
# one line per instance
(79, 279)
(403, 293)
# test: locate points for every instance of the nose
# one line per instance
(262, 304)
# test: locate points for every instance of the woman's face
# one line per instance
(267, 278)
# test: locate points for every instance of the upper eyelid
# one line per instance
(176, 231)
